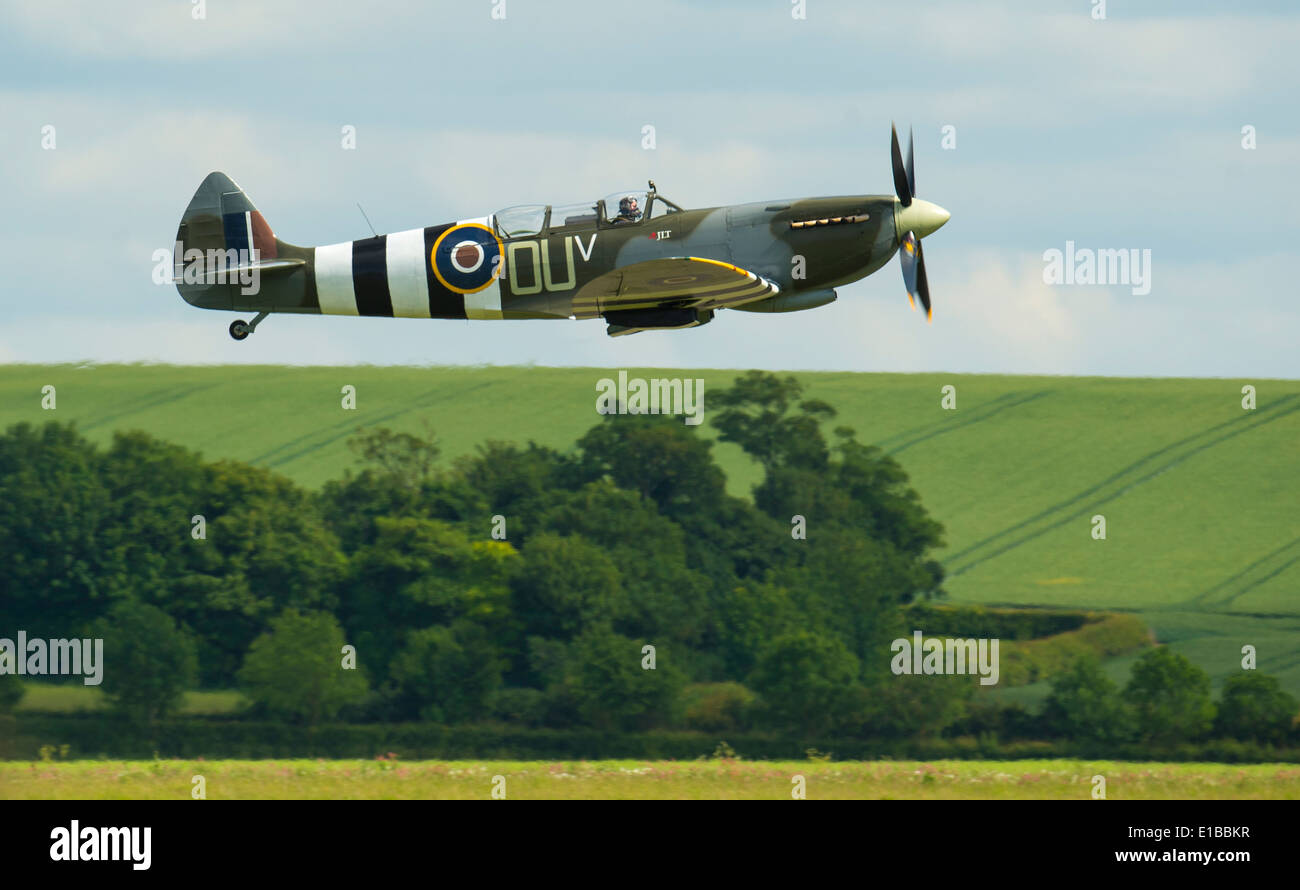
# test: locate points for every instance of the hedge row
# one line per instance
(1035, 643)
(1001, 624)
(189, 738)
(1105, 634)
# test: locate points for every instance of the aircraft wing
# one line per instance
(678, 282)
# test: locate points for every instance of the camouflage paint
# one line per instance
(740, 256)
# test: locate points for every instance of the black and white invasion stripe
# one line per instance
(391, 276)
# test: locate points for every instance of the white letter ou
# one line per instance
(498, 787)
(799, 10)
(349, 397)
(199, 530)
(48, 137)
(349, 140)
(1099, 527)
(200, 789)
(1248, 398)
(948, 140)
(798, 267)
(1248, 137)
(648, 137)
(1098, 10)
(48, 397)
(949, 400)
(1098, 787)
(648, 657)
(349, 662)
(200, 10)
(798, 527)
(498, 527)
(800, 789)
(499, 10)
(1248, 657)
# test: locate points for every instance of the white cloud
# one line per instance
(1077, 59)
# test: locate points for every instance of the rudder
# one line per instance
(221, 220)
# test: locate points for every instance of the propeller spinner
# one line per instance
(913, 220)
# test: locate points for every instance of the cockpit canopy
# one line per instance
(521, 220)
(616, 208)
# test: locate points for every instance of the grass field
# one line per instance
(1200, 496)
(51, 699)
(640, 780)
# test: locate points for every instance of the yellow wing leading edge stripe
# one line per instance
(747, 287)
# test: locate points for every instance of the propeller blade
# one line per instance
(924, 217)
(902, 187)
(907, 256)
(922, 285)
(911, 166)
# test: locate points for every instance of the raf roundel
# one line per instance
(466, 257)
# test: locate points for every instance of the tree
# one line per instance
(149, 663)
(448, 674)
(567, 584)
(155, 489)
(808, 683)
(1170, 697)
(406, 458)
(854, 498)
(717, 707)
(611, 690)
(11, 691)
(915, 705)
(732, 540)
(768, 417)
(865, 493)
(62, 562)
(267, 549)
(421, 572)
(296, 669)
(862, 489)
(351, 505)
(657, 456)
(1254, 706)
(851, 586)
(1085, 705)
(513, 481)
(664, 598)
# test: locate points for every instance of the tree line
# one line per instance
(614, 585)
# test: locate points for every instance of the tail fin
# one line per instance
(221, 221)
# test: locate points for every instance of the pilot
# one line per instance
(628, 211)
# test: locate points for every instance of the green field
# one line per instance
(47, 698)
(1201, 498)
(644, 780)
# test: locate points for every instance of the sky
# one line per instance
(1122, 132)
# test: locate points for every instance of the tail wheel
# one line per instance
(239, 329)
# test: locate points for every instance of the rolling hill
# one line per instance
(1201, 498)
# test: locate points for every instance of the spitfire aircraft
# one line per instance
(634, 258)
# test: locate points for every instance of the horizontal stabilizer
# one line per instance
(206, 269)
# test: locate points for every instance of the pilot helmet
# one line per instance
(627, 206)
